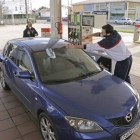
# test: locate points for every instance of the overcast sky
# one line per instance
(38, 3)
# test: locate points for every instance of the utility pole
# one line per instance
(1, 14)
(26, 10)
(71, 7)
(56, 17)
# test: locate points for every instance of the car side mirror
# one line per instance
(24, 75)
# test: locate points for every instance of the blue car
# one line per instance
(72, 97)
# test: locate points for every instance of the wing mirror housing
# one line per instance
(24, 74)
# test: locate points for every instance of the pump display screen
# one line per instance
(87, 20)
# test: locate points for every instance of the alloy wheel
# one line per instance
(2, 78)
(47, 129)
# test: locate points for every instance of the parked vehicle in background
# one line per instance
(48, 19)
(137, 21)
(125, 21)
(65, 19)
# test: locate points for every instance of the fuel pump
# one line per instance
(80, 26)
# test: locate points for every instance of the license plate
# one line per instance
(130, 132)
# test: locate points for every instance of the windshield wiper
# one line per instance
(89, 74)
(57, 81)
(72, 79)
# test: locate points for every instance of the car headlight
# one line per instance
(136, 94)
(83, 125)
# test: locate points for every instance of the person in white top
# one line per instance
(114, 46)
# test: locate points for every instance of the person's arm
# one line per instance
(88, 47)
(36, 33)
(25, 33)
(94, 34)
(71, 46)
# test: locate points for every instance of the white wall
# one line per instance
(16, 7)
(45, 14)
(64, 12)
(137, 12)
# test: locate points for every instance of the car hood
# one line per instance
(103, 95)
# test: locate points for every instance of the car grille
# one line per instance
(121, 121)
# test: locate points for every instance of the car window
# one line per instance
(11, 52)
(5, 48)
(23, 61)
(69, 65)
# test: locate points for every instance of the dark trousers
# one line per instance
(122, 69)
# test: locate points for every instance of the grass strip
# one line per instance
(126, 31)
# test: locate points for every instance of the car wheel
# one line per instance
(125, 23)
(47, 128)
(3, 82)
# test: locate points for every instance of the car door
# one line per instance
(10, 53)
(120, 21)
(123, 21)
(25, 87)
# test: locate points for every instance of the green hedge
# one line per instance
(32, 20)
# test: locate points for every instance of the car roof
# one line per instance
(39, 43)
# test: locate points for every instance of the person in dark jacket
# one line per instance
(30, 31)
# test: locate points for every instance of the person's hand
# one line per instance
(89, 36)
(28, 33)
(36, 35)
(70, 46)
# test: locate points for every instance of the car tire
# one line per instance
(47, 128)
(3, 82)
(125, 23)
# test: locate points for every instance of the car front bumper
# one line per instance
(110, 133)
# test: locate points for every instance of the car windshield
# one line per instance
(68, 65)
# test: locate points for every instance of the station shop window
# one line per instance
(115, 16)
(131, 16)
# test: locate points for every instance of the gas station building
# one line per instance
(114, 9)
